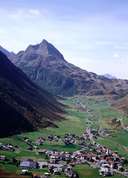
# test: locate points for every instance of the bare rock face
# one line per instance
(23, 105)
(46, 66)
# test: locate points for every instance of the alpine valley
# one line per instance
(58, 120)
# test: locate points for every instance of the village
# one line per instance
(91, 153)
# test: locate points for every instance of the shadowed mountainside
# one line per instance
(23, 105)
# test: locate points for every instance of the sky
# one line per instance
(92, 34)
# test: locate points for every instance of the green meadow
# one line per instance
(82, 112)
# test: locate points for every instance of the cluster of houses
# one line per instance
(70, 139)
(98, 156)
(60, 162)
(67, 139)
(8, 147)
(53, 168)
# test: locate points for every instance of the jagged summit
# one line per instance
(44, 42)
(43, 49)
(49, 50)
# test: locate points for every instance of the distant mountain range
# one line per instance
(46, 66)
(23, 105)
(109, 76)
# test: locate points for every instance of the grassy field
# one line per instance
(86, 171)
(97, 113)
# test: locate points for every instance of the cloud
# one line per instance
(34, 12)
(88, 38)
(116, 55)
(23, 14)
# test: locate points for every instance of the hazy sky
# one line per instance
(92, 34)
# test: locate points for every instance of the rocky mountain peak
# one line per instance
(43, 49)
(46, 66)
(44, 42)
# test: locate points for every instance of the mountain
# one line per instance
(10, 55)
(46, 66)
(109, 76)
(121, 104)
(23, 105)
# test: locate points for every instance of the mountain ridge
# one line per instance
(9, 54)
(46, 66)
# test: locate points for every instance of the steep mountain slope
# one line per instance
(10, 55)
(23, 105)
(121, 104)
(46, 66)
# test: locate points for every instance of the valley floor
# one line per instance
(82, 112)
